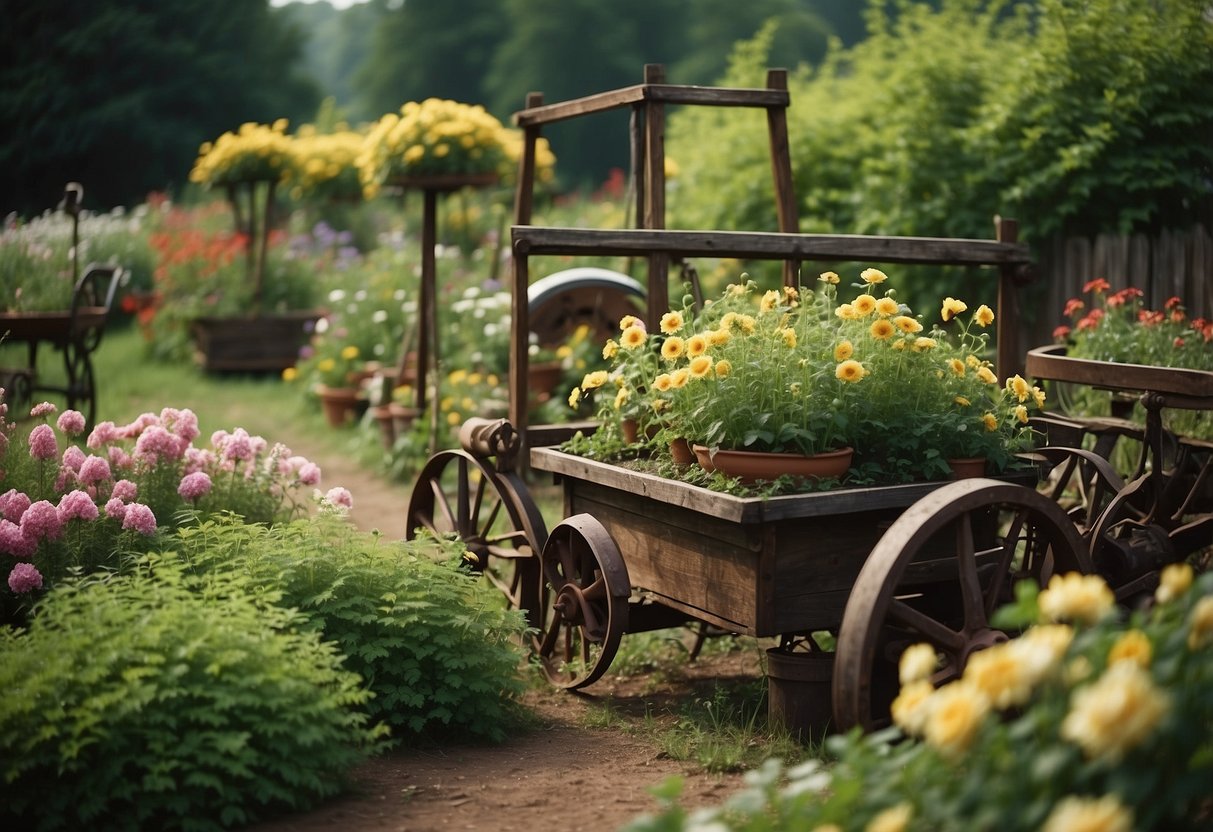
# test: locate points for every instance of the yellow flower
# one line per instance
(827, 827)
(1019, 388)
(747, 323)
(769, 301)
(873, 276)
(633, 337)
(957, 711)
(697, 345)
(610, 349)
(1175, 580)
(864, 305)
(789, 337)
(622, 397)
(924, 344)
(1115, 713)
(847, 312)
(290, 374)
(908, 709)
(574, 397)
(326, 365)
(1132, 646)
(629, 321)
(594, 379)
(791, 295)
(828, 277)
(723, 368)
(957, 366)
(962, 401)
(475, 378)
(917, 663)
(973, 361)
(907, 324)
(1021, 413)
(987, 375)
(894, 819)
(673, 348)
(850, 371)
(887, 307)
(1089, 814)
(952, 307)
(881, 329)
(719, 337)
(1001, 674)
(728, 321)
(679, 378)
(1200, 631)
(984, 316)
(663, 383)
(454, 418)
(990, 421)
(843, 351)
(671, 322)
(701, 366)
(1075, 597)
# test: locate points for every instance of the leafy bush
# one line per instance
(1104, 723)
(156, 700)
(434, 644)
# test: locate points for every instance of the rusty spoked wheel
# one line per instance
(937, 575)
(494, 516)
(584, 602)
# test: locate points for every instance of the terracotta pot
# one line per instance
(631, 431)
(340, 404)
(681, 452)
(403, 417)
(967, 467)
(751, 466)
(387, 428)
(542, 379)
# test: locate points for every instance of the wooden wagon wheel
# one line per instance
(1082, 482)
(937, 575)
(584, 602)
(492, 513)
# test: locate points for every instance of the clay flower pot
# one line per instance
(752, 466)
(968, 467)
(340, 404)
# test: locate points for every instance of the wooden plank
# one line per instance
(781, 170)
(663, 93)
(1052, 363)
(531, 241)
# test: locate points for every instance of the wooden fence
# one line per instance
(1172, 263)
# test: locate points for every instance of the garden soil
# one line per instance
(563, 772)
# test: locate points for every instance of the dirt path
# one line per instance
(561, 775)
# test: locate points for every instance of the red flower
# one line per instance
(1148, 318)
(1172, 302)
(1177, 316)
(1074, 305)
(1097, 285)
(1124, 296)
(1178, 342)
(1061, 333)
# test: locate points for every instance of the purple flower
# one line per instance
(125, 490)
(115, 508)
(194, 485)
(25, 577)
(339, 498)
(13, 504)
(93, 470)
(41, 521)
(140, 518)
(14, 542)
(309, 473)
(71, 422)
(77, 505)
(42, 443)
(42, 409)
(73, 458)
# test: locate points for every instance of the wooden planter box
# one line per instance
(263, 344)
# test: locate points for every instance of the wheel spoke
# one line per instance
(441, 502)
(970, 585)
(933, 631)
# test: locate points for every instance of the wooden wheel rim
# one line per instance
(584, 602)
(872, 601)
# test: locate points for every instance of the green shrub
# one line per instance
(154, 701)
(435, 645)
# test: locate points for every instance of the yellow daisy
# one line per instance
(843, 351)
(881, 329)
(671, 322)
(850, 371)
(673, 348)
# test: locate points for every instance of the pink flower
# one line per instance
(140, 518)
(65, 478)
(309, 473)
(156, 444)
(25, 577)
(125, 490)
(77, 505)
(115, 508)
(194, 485)
(236, 446)
(14, 542)
(42, 443)
(13, 504)
(135, 428)
(71, 422)
(198, 459)
(93, 470)
(73, 458)
(42, 409)
(182, 423)
(103, 434)
(339, 498)
(41, 521)
(120, 459)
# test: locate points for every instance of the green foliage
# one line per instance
(157, 700)
(434, 644)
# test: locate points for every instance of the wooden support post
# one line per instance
(1008, 358)
(427, 329)
(781, 169)
(654, 210)
(520, 327)
(524, 193)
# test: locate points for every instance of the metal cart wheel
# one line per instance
(937, 575)
(492, 513)
(584, 602)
